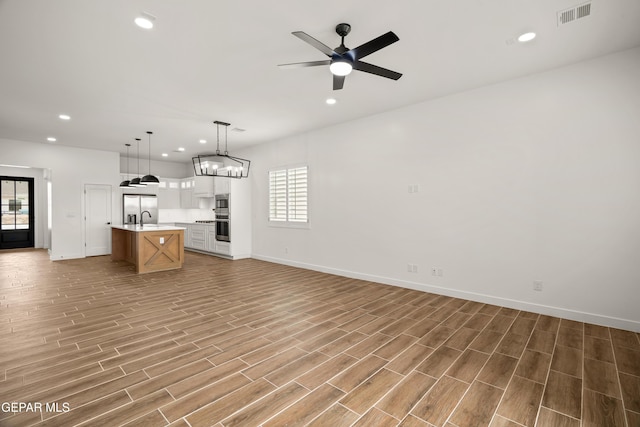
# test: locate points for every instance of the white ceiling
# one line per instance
(209, 60)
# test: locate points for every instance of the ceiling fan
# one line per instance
(343, 59)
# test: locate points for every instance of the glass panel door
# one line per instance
(22, 200)
(8, 201)
(16, 212)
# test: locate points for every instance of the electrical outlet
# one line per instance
(537, 285)
(414, 268)
(286, 250)
(434, 271)
(439, 272)
(162, 240)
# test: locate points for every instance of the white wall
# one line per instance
(71, 168)
(158, 168)
(532, 179)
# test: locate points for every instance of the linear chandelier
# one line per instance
(218, 164)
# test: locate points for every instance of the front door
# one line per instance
(17, 217)
(97, 215)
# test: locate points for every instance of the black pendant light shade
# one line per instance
(222, 165)
(135, 182)
(126, 183)
(150, 179)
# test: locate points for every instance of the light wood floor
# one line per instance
(248, 343)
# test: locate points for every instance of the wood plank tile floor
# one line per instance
(249, 343)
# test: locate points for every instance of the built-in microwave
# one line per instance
(222, 202)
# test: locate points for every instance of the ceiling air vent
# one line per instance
(574, 13)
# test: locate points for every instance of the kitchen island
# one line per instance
(150, 247)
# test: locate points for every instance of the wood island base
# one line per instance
(149, 249)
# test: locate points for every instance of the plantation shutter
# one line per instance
(297, 194)
(288, 195)
(278, 195)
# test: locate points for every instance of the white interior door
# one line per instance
(97, 219)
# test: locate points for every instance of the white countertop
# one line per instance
(147, 227)
(190, 224)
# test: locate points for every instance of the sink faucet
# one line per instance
(142, 216)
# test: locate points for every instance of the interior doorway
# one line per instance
(17, 216)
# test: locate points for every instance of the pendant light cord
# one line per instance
(138, 144)
(225, 141)
(149, 133)
(217, 138)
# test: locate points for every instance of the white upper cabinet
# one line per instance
(169, 193)
(223, 185)
(204, 186)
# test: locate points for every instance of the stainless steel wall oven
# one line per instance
(223, 226)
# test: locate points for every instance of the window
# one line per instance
(288, 195)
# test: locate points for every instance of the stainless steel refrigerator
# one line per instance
(134, 204)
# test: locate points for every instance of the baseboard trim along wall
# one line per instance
(564, 313)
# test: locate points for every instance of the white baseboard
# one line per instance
(580, 316)
(58, 257)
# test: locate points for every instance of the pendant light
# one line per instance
(150, 179)
(222, 165)
(135, 182)
(126, 182)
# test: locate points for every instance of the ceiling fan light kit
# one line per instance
(340, 68)
(344, 60)
(221, 164)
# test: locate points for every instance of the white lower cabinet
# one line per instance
(223, 248)
(198, 237)
(202, 237)
(211, 238)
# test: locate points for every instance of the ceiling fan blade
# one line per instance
(374, 69)
(338, 82)
(315, 43)
(305, 64)
(374, 45)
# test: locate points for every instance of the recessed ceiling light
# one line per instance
(64, 117)
(331, 101)
(145, 20)
(203, 141)
(526, 37)
(181, 149)
(51, 139)
(165, 155)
